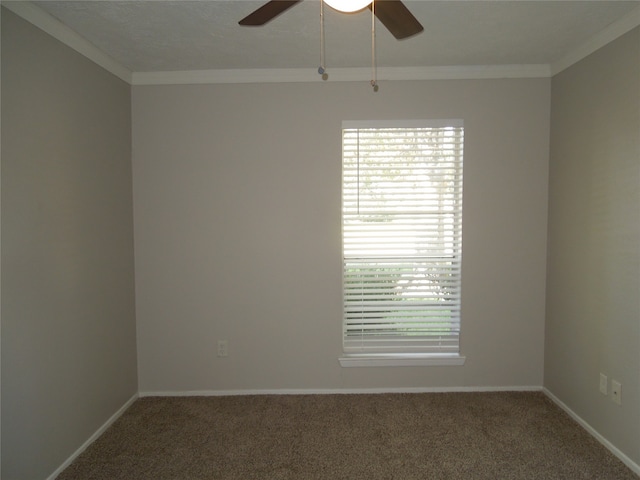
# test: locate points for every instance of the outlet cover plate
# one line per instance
(603, 384)
(616, 392)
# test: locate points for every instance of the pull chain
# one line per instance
(374, 73)
(321, 68)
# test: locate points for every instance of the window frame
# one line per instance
(387, 357)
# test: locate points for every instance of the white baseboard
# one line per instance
(93, 437)
(302, 391)
(212, 393)
(594, 433)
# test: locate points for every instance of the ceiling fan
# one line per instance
(392, 14)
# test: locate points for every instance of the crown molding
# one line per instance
(61, 32)
(284, 75)
(609, 34)
(49, 24)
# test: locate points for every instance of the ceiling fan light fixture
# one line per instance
(347, 6)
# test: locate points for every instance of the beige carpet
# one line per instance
(436, 436)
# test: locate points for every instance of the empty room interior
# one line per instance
(174, 209)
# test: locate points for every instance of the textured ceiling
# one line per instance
(150, 36)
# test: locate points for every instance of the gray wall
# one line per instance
(237, 223)
(68, 324)
(238, 232)
(593, 306)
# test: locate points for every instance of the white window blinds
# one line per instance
(402, 236)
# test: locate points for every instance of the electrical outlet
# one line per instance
(616, 392)
(603, 384)
(223, 348)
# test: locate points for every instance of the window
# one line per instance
(402, 238)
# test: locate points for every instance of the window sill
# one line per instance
(400, 360)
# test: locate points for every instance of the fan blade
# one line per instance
(267, 12)
(397, 18)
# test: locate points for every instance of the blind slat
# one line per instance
(402, 238)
